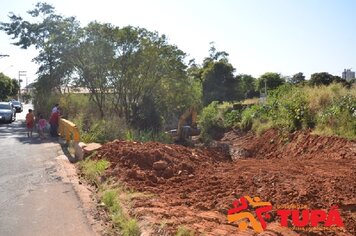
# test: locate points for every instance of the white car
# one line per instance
(7, 112)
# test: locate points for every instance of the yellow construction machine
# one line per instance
(187, 127)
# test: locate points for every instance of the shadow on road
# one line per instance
(17, 130)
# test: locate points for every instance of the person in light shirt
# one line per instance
(55, 108)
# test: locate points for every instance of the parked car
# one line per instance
(18, 106)
(7, 112)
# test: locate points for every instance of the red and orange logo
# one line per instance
(302, 219)
(240, 215)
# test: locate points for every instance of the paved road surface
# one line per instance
(33, 198)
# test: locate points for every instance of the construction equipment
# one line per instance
(187, 127)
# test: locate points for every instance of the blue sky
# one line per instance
(284, 36)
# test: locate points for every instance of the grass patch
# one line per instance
(125, 225)
(130, 228)
(110, 199)
(251, 101)
(92, 169)
(109, 193)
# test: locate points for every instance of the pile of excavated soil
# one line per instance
(297, 145)
(196, 187)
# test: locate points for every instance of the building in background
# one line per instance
(348, 74)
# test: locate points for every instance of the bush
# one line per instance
(231, 118)
(247, 118)
(70, 104)
(289, 105)
(254, 115)
(211, 122)
(330, 109)
(101, 131)
(339, 118)
(73, 104)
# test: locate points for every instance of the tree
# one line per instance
(6, 87)
(324, 78)
(53, 36)
(92, 63)
(15, 87)
(248, 86)
(147, 70)
(130, 71)
(297, 78)
(269, 79)
(218, 81)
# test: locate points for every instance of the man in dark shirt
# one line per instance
(53, 121)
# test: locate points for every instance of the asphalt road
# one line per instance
(34, 200)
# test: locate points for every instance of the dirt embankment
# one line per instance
(195, 187)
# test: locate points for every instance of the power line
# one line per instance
(3, 55)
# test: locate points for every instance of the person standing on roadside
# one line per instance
(30, 122)
(54, 121)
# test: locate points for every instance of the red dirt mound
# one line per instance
(156, 163)
(301, 144)
(195, 187)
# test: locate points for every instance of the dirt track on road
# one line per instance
(195, 187)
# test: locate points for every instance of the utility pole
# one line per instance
(266, 88)
(21, 73)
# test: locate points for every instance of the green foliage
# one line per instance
(6, 87)
(128, 226)
(231, 118)
(53, 35)
(330, 110)
(146, 136)
(289, 108)
(183, 231)
(248, 116)
(110, 199)
(146, 116)
(44, 104)
(338, 118)
(271, 80)
(131, 73)
(211, 122)
(72, 105)
(216, 75)
(297, 78)
(324, 78)
(219, 83)
(102, 130)
(247, 86)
